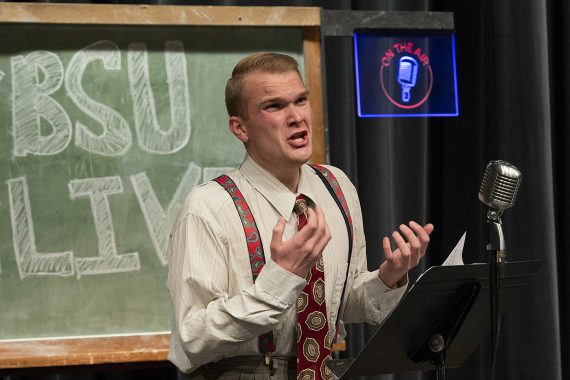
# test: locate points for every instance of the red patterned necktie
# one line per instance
(313, 340)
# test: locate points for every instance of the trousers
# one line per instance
(245, 368)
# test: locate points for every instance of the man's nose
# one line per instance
(294, 116)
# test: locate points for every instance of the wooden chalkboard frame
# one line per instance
(154, 347)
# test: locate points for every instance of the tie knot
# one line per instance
(301, 205)
(301, 209)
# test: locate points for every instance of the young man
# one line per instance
(220, 312)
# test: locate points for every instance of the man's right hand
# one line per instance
(301, 252)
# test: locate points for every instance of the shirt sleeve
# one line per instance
(207, 322)
(367, 298)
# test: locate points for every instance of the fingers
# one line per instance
(278, 230)
(411, 242)
(300, 253)
(314, 236)
(401, 244)
(429, 228)
(415, 246)
(387, 249)
(316, 233)
(423, 234)
(315, 223)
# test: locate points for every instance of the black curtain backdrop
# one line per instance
(513, 60)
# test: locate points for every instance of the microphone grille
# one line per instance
(500, 185)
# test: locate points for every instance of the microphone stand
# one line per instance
(497, 256)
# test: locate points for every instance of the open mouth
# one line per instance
(299, 137)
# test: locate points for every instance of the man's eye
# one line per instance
(272, 106)
(302, 100)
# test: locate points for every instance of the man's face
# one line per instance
(278, 128)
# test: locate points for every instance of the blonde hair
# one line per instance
(236, 104)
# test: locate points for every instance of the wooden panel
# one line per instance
(312, 53)
(80, 351)
(158, 15)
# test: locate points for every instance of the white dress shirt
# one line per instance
(218, 310)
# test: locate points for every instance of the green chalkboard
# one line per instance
(103, 130)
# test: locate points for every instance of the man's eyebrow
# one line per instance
(304, 94)
(271, 100)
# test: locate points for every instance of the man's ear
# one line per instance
(237, 128)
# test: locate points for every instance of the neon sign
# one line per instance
(405, 76)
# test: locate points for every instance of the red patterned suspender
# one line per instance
(334, 189)
(254, 245)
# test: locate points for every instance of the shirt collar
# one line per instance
(275, 192)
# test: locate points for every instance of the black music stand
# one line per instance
(439, 322)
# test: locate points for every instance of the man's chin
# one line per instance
(305, 154)
(304, 159)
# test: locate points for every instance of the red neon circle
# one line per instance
(402, 105)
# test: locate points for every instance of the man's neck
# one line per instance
(290, 180)
(287, 176)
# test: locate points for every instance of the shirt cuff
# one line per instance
(386, 298)
(402, 282)
(280, 283)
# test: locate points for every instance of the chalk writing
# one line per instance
(150, 136)
(108, 261)
(47, 90)
(116, 137)
(38, 75)
(31, 103)
(30, 261)
(157, 219)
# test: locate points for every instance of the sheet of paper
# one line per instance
(456, 255)
(454, 258)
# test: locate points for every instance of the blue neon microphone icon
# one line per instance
(407, 75)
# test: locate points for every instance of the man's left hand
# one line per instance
(411, 242)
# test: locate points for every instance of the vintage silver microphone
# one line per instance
(498, 191)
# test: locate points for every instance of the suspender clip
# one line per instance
(268, 359)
